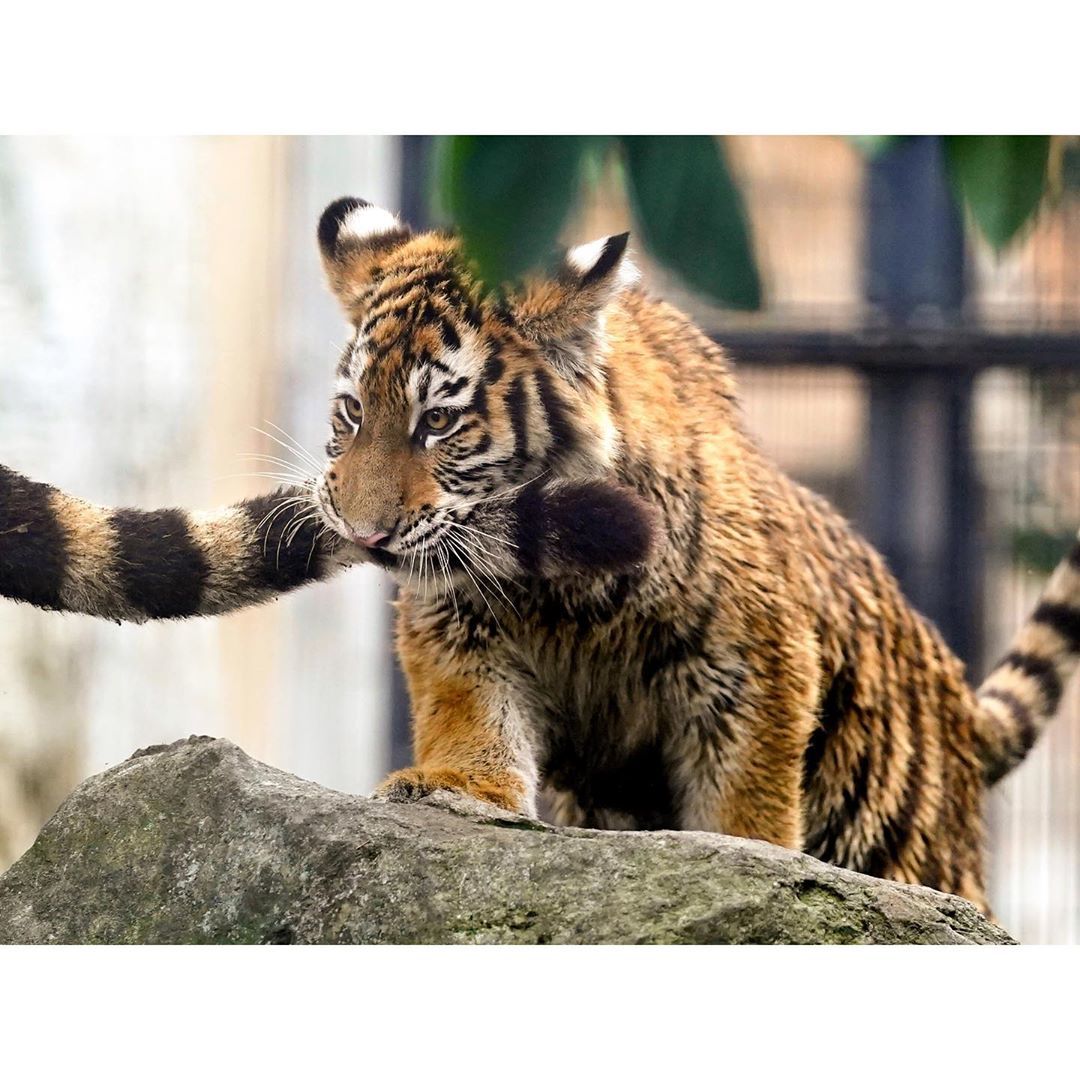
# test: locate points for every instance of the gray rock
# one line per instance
(197, 842)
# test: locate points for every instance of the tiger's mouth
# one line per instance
(380, 556)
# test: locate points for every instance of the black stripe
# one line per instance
(664, 645)
(826, 842)
(1063, 619)
(897, 829)
(161, 568)
(471, 314)
(478, 404)
(563, 435)
(434, 282)
(451, 387)
(834, 709)
(423, 384)
(1042, 671)
(692, 533)
(494, 368)
(449, 334)
(462, 472)
(1026, 732)
(404, 305)
(33, 548)
(284, 555)
(517, 405)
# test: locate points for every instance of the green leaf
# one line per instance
(509, 195)
(691, 215)
(1000, 178)
(873, 146)
(1039, 550)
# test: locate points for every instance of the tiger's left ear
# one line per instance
(564, 314)
(353, 237)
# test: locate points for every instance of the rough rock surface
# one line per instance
(197, 842)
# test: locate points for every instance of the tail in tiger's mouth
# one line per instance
(61, 553)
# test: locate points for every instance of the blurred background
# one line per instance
(160, 299)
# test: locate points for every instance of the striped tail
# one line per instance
(61, 553)
(1021, 695)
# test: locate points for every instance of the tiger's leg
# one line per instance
(469, 735)
(564, 809)
(737, 766)
(756, 792)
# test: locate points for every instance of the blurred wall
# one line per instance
(159, 300)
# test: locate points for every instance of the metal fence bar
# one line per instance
(920, 500)
(959, 351)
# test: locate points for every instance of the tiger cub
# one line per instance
(607, 593)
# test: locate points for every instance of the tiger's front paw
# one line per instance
(411, 785)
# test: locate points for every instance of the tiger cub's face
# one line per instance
(446, 403)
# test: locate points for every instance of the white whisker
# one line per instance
(474, 548)
(281, 478)
(445, 564)
(465, 566)
(302, 456)
(479, 532)
(300, 449)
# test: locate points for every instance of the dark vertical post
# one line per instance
(919, 483)
(415, 153)
(415, 165)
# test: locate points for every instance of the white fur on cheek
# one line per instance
(367, 221)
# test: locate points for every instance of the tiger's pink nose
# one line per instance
(373, 539)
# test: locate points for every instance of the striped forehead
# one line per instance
(357, 359)
(450, 377)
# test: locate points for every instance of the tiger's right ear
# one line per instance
(564, 314)
(353, 235)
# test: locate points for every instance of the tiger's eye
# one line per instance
(437, 419)
(353, 410)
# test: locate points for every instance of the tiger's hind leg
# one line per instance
(733, 774)
(736, 762)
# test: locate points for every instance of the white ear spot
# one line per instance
(367, 221)
(588, 259)
(585, 256)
